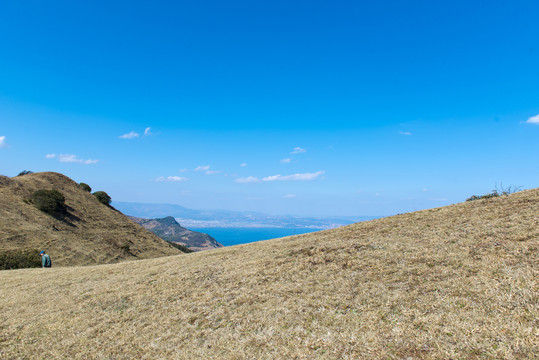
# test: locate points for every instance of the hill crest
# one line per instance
(90, 233)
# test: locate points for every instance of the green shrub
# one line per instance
(496, 193)
(50, 201)
(103, 197)
(25, 172)
(86, 187)
(18, 259)
(486, 196)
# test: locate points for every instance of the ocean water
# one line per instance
(235, 236)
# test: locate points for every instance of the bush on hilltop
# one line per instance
(85, 187)
(496, 193)
(103, 197)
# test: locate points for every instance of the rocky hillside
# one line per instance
(169, 229)
(88, 233)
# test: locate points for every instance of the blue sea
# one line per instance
(235, 236)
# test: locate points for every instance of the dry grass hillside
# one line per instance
(458, 282)
(91, 233)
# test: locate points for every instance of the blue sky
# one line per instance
(304, 107)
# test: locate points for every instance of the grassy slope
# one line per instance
(92, 234)
(458, 282)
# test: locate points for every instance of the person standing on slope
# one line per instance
(45, 260)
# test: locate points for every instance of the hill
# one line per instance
(90, 233)
(457, 282)
(169, 229)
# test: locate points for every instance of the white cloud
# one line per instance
(3, 143)
(171, 178)
(202, 168)
(243, 165)
(295, 177)
(407, 133)
(247, 180)
(130, 135)
(206, 169)
(286, 161)
(70, 158)
(272, 178)
(298, 150)
(425, 190)
(289, 196)
(533, 120)
(133, 134)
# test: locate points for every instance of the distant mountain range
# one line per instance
(191, 218)
(168, 229)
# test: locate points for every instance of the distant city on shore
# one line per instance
(197, 219)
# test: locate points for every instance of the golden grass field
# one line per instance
(458, 282)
